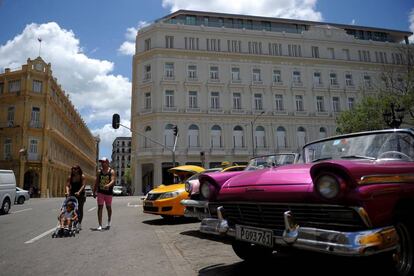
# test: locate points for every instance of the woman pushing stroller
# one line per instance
(75, 186)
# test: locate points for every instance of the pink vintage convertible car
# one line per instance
(353, 196)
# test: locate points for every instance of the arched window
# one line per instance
(259, 137)
(193, 136)
(322, 133)
(169, 135)
(147, 142)
(216, 137)
(238, 137)
(301, 136)
(281, 137)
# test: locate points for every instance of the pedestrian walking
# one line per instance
(75, 186)
(105, 181)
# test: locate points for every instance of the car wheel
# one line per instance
(20, 200)
(251, 252)
(5, 207)
(403, 256)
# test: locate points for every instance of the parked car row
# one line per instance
(348, 195)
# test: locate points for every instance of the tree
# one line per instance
(394, 85)
(128, 180)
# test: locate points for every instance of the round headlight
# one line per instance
(205, 190)
(327, 186)
(188, 187)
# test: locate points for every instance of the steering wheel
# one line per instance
(393, 152)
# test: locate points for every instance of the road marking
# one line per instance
(41, 235)
(93, 208)
(178, 262)
(133, 205)
(24, 210)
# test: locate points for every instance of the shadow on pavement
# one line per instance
(169, 221)
(198, 234)
(303, 264)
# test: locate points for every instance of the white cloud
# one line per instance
(294, 9)
(94, 91)
(128, 47)
(107, 135)
(411, 20)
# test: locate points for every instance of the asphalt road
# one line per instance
(139, 244)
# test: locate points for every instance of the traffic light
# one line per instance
(115, 121)
(175, 128)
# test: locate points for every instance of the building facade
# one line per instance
(41, 134)
(121, 158)
(238, 86)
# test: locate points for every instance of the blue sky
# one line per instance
(87, 41)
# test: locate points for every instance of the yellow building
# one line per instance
(41, 134)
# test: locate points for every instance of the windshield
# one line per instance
(270, 161)
(387, 145)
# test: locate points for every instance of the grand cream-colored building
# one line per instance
(41, 134)
(238, 86)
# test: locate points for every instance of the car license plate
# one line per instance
(255, 235)
(148, 203)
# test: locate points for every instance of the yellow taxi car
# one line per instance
(165, 199)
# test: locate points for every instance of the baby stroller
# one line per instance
(72, 228)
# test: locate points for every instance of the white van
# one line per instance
(7, 190)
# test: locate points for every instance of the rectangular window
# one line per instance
(346, 54)
(148, 100)
(169, 41)
(191, 43)
(192, 72)
(169, 70)
(192, 99)
(333, 78)
(351, 103)
(255, 47)
(258, 101)
(299, 103)
(234, 46)
(33, 146)
(14, 86)
(235, 74)
(315, 52)
(256, 75)
(277, 76)
(1, 88)
(7, 148)
(364, 55)
(236, 101)
(213, 44)
(37, 86)
(317, 78)
(296, 77)
(348, 80)
(147, 44)
(294, 50)
(381, 57)
(320, 105)
(336, 104)
(367, 81)
(215, 100)
(279, 102)
(35, 117)
(214, 72)
(275, 49)
(331, 53)
(169, 98)
(10, 116)
(190, 20)
(147, 72)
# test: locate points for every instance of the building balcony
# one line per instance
(236, 81)
(215, 111)
(240, 151)
(297, 84)
(259, 112)
(169, 109)
(33, 157)
(238, 111)
(277, 83)
(280, 112)
(322, 113)
(257, 82)
(301, 113)
(145, 111)
(318, 85)
(194, 151)
(35, 124)
(193, 110)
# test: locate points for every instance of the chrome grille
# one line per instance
(270, 215)
(153, 196)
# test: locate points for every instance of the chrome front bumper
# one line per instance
(361, 243)
(195, 208)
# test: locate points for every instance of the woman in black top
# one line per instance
(75, 186)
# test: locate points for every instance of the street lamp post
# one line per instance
(252, 125)
(395, 117)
